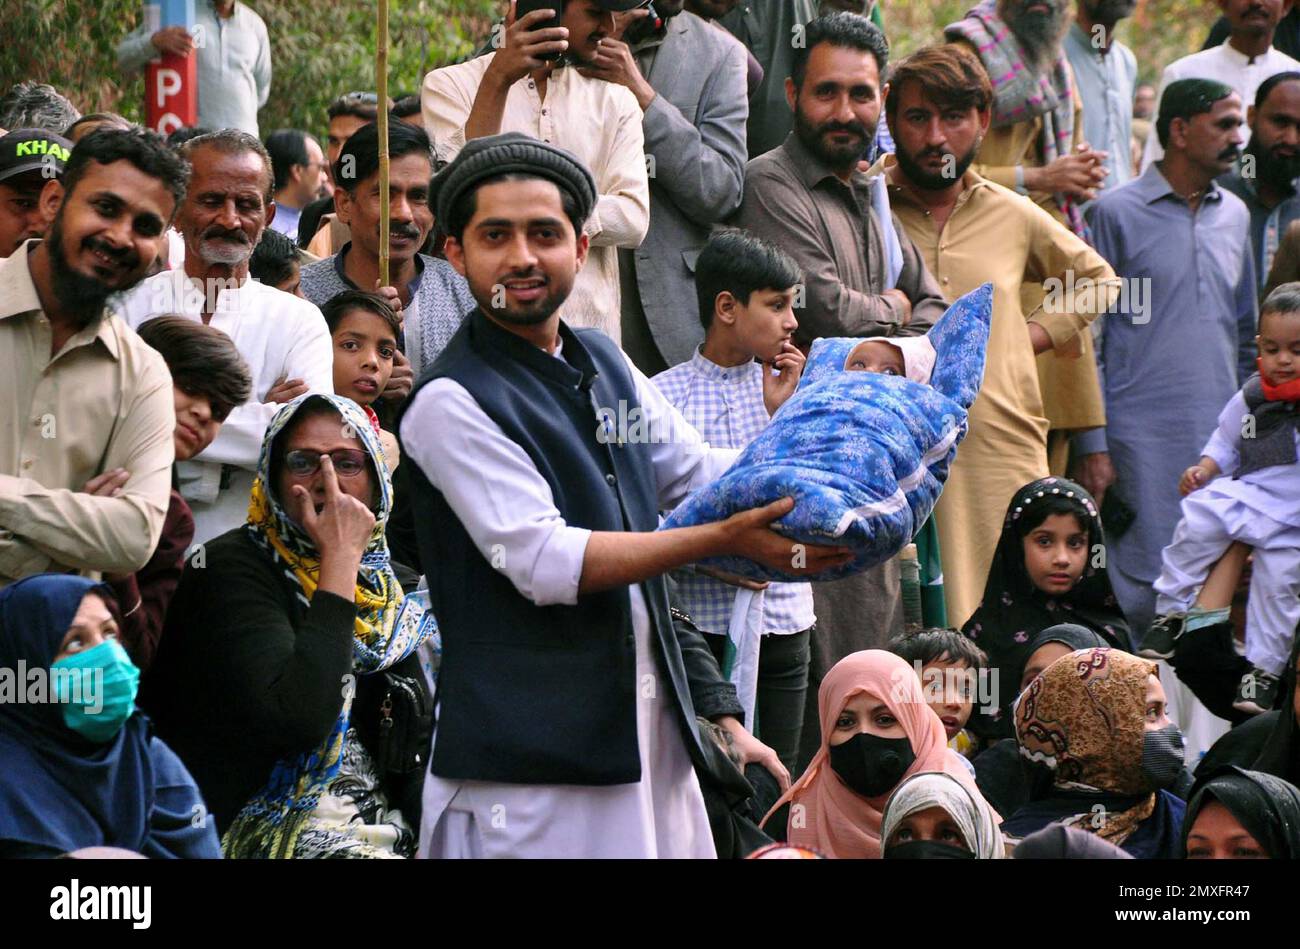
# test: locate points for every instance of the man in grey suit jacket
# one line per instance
(690, 80)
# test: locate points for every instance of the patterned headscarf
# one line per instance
(825, 813)
(1013, 611)
(1084, 719)
(389, 627)
(972, 814)
(1020, 92)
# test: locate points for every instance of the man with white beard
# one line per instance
(283, 338)
(1036, 146)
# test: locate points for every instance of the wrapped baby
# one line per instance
(863, 446)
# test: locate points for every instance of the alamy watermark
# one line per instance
(37, 685)
(1124, 295)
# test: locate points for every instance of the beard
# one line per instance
(837, 157)
(227, 248)
(927, 179)
(1039, 35)
(1277, 170)
(530, 313)
(81, 295)
(1109, 11)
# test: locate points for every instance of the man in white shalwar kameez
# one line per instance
(565, 728)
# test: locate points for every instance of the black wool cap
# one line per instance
(512, 152)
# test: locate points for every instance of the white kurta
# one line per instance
(506, 505)
(1223, 64)
(280, 336)
(1261, 510)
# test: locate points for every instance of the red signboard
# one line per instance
(172, 93)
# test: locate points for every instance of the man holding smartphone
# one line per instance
(522, 87)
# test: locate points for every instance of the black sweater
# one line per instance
(245, 674)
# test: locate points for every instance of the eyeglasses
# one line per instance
(348, 462)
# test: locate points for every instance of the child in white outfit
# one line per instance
(1245, 488)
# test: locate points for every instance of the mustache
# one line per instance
(1230, 153)
(857, 128)
(220, 233)
(531, 273)
(404, 229)
(119, 255)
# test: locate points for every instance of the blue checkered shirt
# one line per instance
(725, 404)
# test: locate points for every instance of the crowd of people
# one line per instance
(299, 561)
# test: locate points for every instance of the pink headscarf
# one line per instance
(834, 819)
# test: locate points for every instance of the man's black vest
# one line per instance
(1275, 426)
(544, 694)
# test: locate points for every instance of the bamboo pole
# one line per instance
(381, 83)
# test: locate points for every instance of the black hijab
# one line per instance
(1265, 805)
(1013, 612)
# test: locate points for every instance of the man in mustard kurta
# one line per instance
(970, 230)
(1035, 146)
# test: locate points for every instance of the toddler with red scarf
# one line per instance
(1245, 488)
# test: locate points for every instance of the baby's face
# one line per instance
(876, 355)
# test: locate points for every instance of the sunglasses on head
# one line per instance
(348, 462)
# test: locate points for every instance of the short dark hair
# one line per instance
(1284, 298)
(1271, 83)
(740, 263)
(36, 105)
(287, 147)
(344, 302)
(405, 106)
(202, 359)
(938, 645)
(234, 142)
(847, 30)
(180, 136)
(462, 210)
(949, 73)
(1185, 98)
(144, 149)
(274, 258)
(359, 156)
(97, 118)
(359, 105)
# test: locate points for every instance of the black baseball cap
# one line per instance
(24, 150)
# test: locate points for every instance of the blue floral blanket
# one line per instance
(864, 455)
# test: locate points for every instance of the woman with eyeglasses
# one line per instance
(289, 680)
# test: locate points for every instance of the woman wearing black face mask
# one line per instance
(932, 815)
(1096, 719)
(877, 730)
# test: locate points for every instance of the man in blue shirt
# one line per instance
(1181, 340)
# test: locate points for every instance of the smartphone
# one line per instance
(523, 7)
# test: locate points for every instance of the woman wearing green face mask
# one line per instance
(81, 765)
